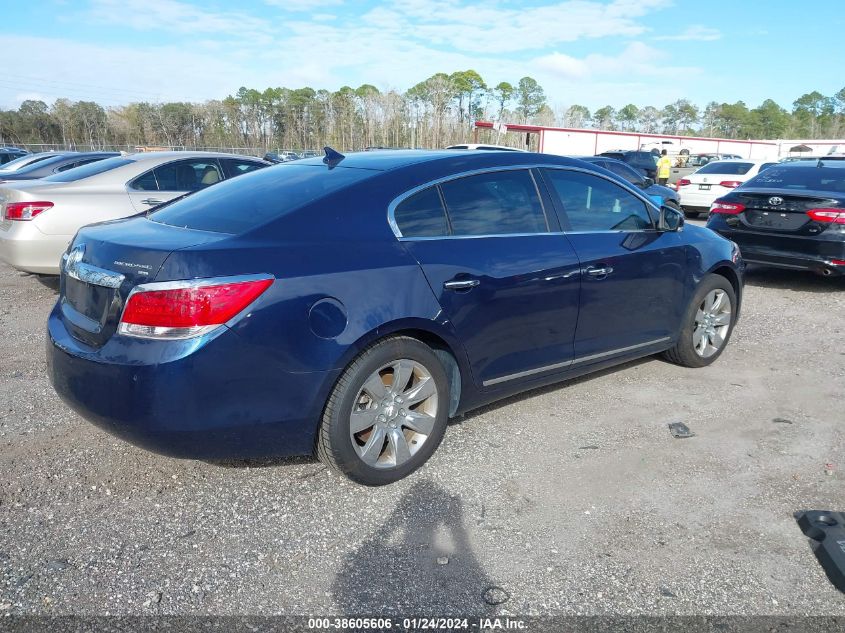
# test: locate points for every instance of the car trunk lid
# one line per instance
(105, 262)
(782, 211)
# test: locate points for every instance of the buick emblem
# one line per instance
(775, 201)
(73, 259)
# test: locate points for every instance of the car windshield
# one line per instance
(726, 167)
(812, 178)
(244, 203)
(91, 169)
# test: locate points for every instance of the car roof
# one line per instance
(144, 156)
(463, 160)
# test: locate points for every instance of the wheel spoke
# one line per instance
(718, 296)
(425, 388)
(401, 450)
(699, 340)
(699, 316)
(716, 340)
(375, 387)
(419, 422)
(362, 420)
(402, 370)
(722, 319)
(372, 449)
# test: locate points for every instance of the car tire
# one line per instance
(705, 324)
(691, 214)
(403, 432)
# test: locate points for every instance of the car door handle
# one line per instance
(152, 201)
(604, 271)
(571, 273)
(461, 284)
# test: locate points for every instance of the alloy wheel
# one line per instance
(712, 323)
(393, 414)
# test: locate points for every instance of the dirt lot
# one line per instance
(571, 499)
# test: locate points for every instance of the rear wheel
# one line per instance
(387, 413)
(707, 325)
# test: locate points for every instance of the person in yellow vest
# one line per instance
(664, 167)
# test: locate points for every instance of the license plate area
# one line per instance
(704, 187)
(89, 300)
(775, 220)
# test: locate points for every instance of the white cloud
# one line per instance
(694, 33)
(303, 5)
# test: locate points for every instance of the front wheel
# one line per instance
(708, 323)
(387, 413)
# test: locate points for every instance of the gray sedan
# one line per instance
(38, 218)
(50, 163)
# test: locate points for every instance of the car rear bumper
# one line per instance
(798, 253)
(694, 198)
(24, 247)
(203, 399)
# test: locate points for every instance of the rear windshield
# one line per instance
(248, 201)
(727, 168)
(91, 169)
(813, 178)
(23, 161)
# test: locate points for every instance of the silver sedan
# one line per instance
(38, 218)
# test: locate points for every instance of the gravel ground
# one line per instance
(570, 499)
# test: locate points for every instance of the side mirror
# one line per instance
(646, 183)
(670, 219)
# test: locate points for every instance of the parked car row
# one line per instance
(8, 154)
(38, 218)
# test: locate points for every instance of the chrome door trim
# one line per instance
(621, 350)
(391, 220)
(582, 359)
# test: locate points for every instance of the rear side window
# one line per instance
(145, 182)
(236, 167)
(595, 204)
(496, 203)
(244, 203)
(422, 215)
(92, 169)
(727, 168)
(187, 175)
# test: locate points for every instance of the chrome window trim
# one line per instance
(391, 209)
(191, 283)
(574, 361)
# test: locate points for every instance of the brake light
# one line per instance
(683, 182)
(833, 216)
(176, 310)
(730, 184)
(23, 211)
(727, 208)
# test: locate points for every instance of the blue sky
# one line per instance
(592, 52)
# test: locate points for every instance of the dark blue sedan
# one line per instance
(349, 306)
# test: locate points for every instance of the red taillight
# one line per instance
(683, 182)
(23, 211)
(831, 216)
(188, 309)
(838, 262)
(730, 184)
(727, 208)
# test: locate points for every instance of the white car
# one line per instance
(699, 189)
(38, 218)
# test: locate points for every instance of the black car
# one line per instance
(643, 161)
(8, 154)
(61, 161)
(669, 196)
(790, 216)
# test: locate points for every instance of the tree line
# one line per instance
(436, 112)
